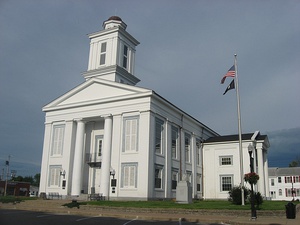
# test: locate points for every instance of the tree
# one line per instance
(295, 163)
(36, 180)
(28, 179)
(18, 178)
(235, 195)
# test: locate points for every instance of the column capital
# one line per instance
(79, 120)
(106, 115)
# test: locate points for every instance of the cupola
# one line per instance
(112, 53)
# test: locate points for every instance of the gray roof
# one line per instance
(287, 171)
(234, 137)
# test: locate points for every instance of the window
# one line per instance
(225, 160)
(159, 136)
(174, 179)
(131, 135)
(158, 177)
(198, 152)
(54, 176)
(297, 192)
(273, 194)
(226, 183)
(280, 192)
(279, 179)
(272, 182)
(103, 53)
(98, 146)
(129, 175)
(174, 144)
(296, 179)
(288, 179)
(288, 192)
(187, 144)
(125, 56)
(189, 176)
(198, 182)
(57, 140)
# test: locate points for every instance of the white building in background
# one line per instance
(111, 137)
(222, 165)
(284, 183)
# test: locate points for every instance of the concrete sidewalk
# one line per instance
(201, 216)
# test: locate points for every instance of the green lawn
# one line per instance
(206, 204)
(267, 205)
(8, 199)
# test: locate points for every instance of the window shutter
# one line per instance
(60, 140)
(133, 134)
(132, 178)
(284, 179)
(57, 144)
(126, 176)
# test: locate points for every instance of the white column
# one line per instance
(266, 173)
(106, 157)
(182, 153)
(194, 164)
(168, 161)
(45, 158)
(67, 164)
(261, 181)
(78, 159)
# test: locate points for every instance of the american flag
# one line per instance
(230, 73)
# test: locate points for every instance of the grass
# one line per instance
(208, 205)
(8, 199)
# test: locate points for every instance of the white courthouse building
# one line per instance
(109, 136)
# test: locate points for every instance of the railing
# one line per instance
(93, 159)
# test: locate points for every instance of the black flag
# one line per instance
(230, 86)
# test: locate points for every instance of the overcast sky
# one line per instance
(186, 47)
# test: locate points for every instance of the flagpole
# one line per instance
(239, 128)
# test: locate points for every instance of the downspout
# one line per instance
(180, 149)
(202, 175)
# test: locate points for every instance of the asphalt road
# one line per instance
(19, 217)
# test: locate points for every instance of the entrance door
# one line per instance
(95, 166)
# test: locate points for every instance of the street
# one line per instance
(20, 217)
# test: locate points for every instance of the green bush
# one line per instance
(258, 199)
(235, 195)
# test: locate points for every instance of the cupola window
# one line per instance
(103, 53)
(125, 56)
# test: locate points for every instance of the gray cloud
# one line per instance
(185, 49)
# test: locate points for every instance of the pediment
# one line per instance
(95, 90)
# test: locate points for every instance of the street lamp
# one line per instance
(253, 210)
(112, 173)
(63, 174)
(293, 191)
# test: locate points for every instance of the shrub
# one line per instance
(235, 195)
(258, 199)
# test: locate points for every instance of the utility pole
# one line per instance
(7, 173)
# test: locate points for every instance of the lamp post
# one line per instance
(253, 210)
(112, 182)
(293, 191)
